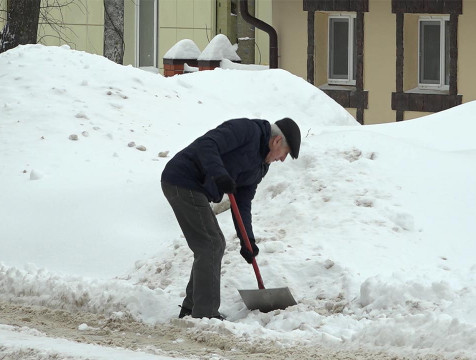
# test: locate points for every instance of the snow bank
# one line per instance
(445, 130)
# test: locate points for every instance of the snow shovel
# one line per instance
(261, 299)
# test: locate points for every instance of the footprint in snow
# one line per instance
(81, 115)
(35, 175)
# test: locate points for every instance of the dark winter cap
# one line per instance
(292, 134)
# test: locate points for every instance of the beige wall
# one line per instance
(185, 19)
(290, 22)
(410, 45)
(84, 26)
(379, 61)
(129, 32)
(467, 51)
(321, 42)
(264, 12)
(3, 7)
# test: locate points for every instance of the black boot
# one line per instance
(184, 312)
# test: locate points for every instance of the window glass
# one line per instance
(355, 50)
(447, 52)
(430, 52)
(146, 33)
(339, 48)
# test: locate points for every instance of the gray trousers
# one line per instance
(204, 237)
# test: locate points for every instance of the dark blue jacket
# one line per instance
(238, 148)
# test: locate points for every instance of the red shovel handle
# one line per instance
(236, 212)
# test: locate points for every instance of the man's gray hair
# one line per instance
(275, 131)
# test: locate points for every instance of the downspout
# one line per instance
(273, 36)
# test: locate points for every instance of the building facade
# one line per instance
(383, 60)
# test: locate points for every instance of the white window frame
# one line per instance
(350, 63)
(442, 20)
(137, 20)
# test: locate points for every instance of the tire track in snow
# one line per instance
(174, 339)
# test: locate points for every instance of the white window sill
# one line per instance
(428, 91)
(337, 87)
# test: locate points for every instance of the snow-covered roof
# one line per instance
(184, 49)
(220, 48)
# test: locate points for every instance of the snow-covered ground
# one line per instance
(372, 228)
(33, 344)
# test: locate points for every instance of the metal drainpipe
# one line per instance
(273, 36)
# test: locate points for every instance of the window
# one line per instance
(342, 48)
(146, 33)
(434, 53)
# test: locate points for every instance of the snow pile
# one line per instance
(372, 228)
(220, 48)
(184, 49)
(105, 181)
(228, 64)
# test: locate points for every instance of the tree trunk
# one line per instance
(22, 24)
(114, 30)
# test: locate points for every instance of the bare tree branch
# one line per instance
(57, 22)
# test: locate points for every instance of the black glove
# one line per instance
(225, 184)
(247, 255)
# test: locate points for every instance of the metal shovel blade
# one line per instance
(266, 300)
